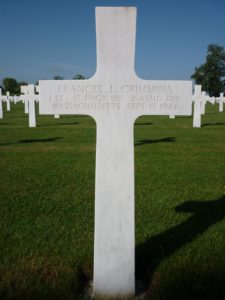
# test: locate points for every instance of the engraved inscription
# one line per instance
(98, 97)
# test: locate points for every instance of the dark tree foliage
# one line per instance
(10, 85)
(211, 74)
(79, 77)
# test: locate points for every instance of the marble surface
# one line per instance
(8, 106)
(221, 102)
(115, 97)
(198, 102)
(29, 100)
(23, 90)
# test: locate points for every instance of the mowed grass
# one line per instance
(47, 177)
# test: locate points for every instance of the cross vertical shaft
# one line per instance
(114, 210)
(114, 187)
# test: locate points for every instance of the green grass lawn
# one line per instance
(47, 177)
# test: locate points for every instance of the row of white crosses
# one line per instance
(7, 99)
(203, 98)
(200, 98)
(221, 101)
(29, 97)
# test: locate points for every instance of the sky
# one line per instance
(44, 38)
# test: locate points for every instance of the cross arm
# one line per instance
(134, 97)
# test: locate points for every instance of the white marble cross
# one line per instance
(221, 101)
(115, 97)
(1, 106)
(198, 102)
(23, 90)
(7, 98)
(21, 98)
(203, 102)
(16, 99)
(211, 99)
(30, 98)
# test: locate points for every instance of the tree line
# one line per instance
(13, 86)
(211, 74)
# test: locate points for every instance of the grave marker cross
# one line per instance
(199, 101)
(29, 99)
(115, 97)
(204, 101)
(7, 98)
(23, 90)
(221, 102)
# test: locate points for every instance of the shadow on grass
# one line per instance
(40, 140)
(164, 140)
(143, 123)
(161, 246)
(213, 124)
(57, 124)
(33, 141)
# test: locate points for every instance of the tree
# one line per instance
(10, 85)
(79, 77)
(58, 77)
(211, 74)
